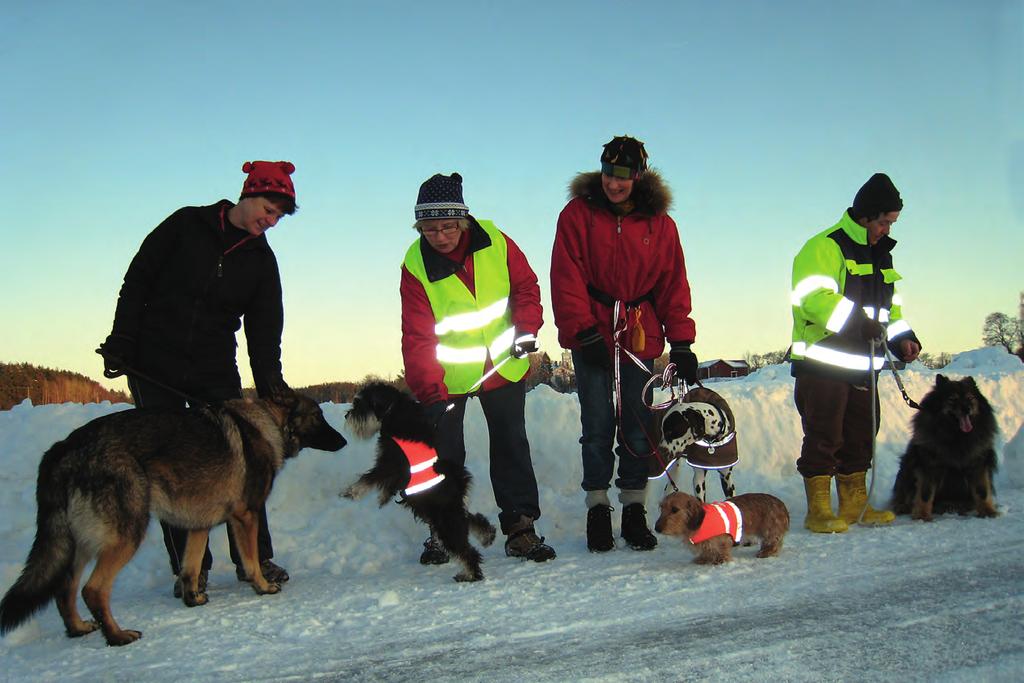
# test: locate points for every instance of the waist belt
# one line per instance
(607, 299)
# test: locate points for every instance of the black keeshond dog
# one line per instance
(950, 460)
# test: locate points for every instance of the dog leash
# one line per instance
(127, 369)
(899, 382)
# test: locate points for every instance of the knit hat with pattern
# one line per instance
(441, 197)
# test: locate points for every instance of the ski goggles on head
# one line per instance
(619, 171)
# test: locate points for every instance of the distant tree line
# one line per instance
(19, 381)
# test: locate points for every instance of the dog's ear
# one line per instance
(695, 512)
(941, 380)
(970, 381)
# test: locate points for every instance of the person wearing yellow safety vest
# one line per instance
(844, 297)
(470, 315)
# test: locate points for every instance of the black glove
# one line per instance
(523, 345)
(685, 361)
(872, 330)
(118, 355)
(437, 411)
(594, 349)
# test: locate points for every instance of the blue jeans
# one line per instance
(594, 386)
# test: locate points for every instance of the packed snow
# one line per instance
(916, 601)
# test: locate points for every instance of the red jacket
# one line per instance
(423, 373)
(636, 256)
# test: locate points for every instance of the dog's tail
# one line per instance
(481, 528)
(49, 564)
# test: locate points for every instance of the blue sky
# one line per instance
(764, 118)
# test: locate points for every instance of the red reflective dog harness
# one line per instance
(421, 459)
(719, 518)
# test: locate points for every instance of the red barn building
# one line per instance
(722, 368)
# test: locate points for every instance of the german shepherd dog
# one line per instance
(193, 468)
(950, 460)
(438, 497)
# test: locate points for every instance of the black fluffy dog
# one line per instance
(949, 463)
(434, 490)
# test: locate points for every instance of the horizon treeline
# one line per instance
(42, 385)
(19, 381)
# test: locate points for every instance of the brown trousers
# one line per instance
(836, 418)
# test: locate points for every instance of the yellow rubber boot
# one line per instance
(820, 519)
(853, 495)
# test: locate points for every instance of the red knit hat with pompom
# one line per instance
(268, 176)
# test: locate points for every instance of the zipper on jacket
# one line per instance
(220, 266)
(618, 224)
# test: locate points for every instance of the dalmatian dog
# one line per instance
(701, 430)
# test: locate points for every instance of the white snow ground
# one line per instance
(912, 602)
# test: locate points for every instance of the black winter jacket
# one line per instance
(185, 294)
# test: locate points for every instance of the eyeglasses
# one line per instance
(434, 233)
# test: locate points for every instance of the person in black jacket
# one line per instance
(195, 279)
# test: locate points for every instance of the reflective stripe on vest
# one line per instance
(720, 518)
(470, 328)
(421, 459)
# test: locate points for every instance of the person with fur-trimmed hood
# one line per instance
(618, 282)
(470, 315)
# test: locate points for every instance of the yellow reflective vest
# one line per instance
(472, 327)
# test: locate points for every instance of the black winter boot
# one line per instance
(634, 528)
(433, 551)
(599, 529)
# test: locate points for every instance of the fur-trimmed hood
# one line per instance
(651, 195)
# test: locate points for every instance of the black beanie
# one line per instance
(624, 157)
(878, 195)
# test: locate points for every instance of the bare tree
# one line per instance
(1002, 330)
(935, 361)
(760, 360)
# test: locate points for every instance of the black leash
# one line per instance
(124, 368)
(899, 382)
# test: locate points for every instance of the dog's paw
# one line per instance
(84, 628)
(195, 599)
(353, 492)
(272, 588)
(468, 577)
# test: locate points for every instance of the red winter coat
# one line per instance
(625, 258)
(423, 373)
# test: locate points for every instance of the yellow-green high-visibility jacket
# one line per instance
(472, 327)
(838, 280)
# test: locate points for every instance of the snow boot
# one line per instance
(433, 551)
(634, 528)
(853, 496)
(523, 542)
(819, 518)
(599, 529)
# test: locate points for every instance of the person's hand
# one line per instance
(118, 353)
(685, 361)
(523, 345)
(909, 350)
(594, 348)
(872, 330)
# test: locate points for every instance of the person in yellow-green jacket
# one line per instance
(470, 315)
(843, 299)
